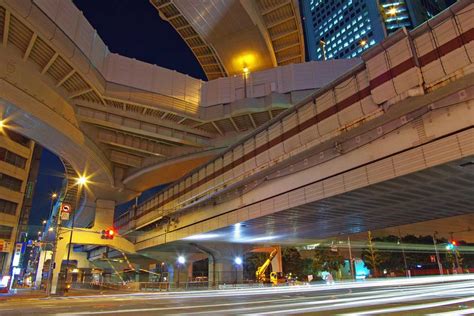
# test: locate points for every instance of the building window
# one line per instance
(5, 232)
(17, 138)
(10, 183)
(12, 158)
(8, 207)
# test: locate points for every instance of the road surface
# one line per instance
(427, 295)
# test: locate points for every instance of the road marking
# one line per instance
(414, 307)
(468, 311)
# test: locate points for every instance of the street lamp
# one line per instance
(238, 263)
(392, 11)
(245, 72)
(81, 182)
(181, 261)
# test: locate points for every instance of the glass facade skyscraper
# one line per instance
(340, 28)
(336, 29)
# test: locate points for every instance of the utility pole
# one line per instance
(407, 272)
(76, 206)
(458, 266)
(440, 266)
(351, 260)
(52, 266)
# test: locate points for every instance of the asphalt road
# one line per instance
(417, 296)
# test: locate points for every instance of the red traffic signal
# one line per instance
(108, 234)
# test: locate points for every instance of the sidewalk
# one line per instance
(22, 294)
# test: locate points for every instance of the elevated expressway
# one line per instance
(391, 142)
(127, 124)
(226, 36)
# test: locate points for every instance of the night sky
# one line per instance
(134, 29)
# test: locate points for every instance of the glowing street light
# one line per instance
(181, 260)
(82, 180)
(238, 261)
(392, 11)
(54, 195)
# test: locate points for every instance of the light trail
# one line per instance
(369, 294)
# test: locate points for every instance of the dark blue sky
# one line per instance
(134, 29)
(50, 177)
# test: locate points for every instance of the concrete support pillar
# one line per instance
(61, 251)
(226, 271)
(190, 272)
(277, 265)
(44, 256)
(104, 214)
(171, 274)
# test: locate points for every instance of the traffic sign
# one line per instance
(64, 216)
(65, 208)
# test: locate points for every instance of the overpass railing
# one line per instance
(405, 64)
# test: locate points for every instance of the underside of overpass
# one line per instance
(438, 192)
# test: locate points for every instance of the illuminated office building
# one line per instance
(336, 29)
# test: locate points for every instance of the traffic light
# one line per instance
(108, 233)
(453, 244)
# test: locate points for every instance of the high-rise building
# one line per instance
(336, 29)
(15, 160)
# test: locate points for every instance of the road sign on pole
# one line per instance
(64, 216)
(65, 211)
(65, 208)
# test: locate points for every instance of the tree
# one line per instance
(292, 262)
(327, 259)
(251, 263)
(371, 255)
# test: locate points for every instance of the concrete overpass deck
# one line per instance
(123, 120)
(391, 116)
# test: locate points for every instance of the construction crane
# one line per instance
(260, 273)
(275, 277)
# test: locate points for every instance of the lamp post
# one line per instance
(322, 44)
(245, 72)
(81, 181)
(54, 196)
(238, 263)
(181, 261)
